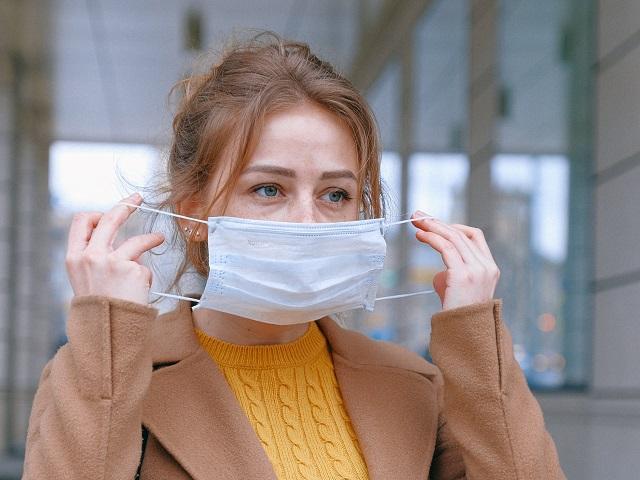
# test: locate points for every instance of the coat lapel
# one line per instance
(392, 402)
(390, 396)
(193, 413)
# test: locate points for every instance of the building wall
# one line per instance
(617, 196)
(598, 433)
(24, 150)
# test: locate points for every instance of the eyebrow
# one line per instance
(338, 174)
(287, 172)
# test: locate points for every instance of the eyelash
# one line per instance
(345, 195)
(255, 189)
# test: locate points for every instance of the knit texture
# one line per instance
(291, 397)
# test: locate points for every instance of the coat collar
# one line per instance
(389, 394)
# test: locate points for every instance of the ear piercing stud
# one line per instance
(189, 230)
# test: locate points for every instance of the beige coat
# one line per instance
(473, 417)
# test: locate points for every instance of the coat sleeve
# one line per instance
(490, 418)
(447, 462)
(86, 415)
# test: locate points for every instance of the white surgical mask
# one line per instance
(287, 273)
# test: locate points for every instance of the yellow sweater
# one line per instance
(291, 396)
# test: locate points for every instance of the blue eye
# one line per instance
(337, 196)
(267, 191)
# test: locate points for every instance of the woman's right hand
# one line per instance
(96, 268)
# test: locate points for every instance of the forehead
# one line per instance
(306, 134)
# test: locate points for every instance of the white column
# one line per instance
(483, 109)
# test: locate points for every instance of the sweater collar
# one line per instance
(300, 351)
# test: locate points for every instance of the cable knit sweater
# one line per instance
(291, 397)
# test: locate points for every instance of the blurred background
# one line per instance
(520, 117)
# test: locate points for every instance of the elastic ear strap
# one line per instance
(177, 297)
(165, 213)
(402, 295)
(142, 207)
(409, 220)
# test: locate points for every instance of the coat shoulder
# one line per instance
(173, 335)
(357, 348)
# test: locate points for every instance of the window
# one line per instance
(89, 177)
(530, 247)
(436, 170)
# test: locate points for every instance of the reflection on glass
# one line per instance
(530, 247)
(436, 185)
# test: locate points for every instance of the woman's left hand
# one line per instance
(471, 275)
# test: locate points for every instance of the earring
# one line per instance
(189, 230)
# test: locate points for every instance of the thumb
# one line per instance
(440, 284)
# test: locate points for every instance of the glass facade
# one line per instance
(531, 178)
(437, 168)
(530, 248)
(531, 174)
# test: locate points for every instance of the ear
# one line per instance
(192, 207)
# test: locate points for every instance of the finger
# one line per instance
(81, 230)
(457, 238)
(440, 283)
(134, 247)
(450, 254)
(476, 236)
(107, 228)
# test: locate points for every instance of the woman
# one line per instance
(271, 133)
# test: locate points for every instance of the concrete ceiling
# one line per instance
(115, 61)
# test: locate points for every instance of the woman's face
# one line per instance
(302, 170)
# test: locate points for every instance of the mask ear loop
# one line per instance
(171, 214)
(388, 297)
(390, 224)
(176, 215)
(411, 294)
(177, 297)
(197, 300)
